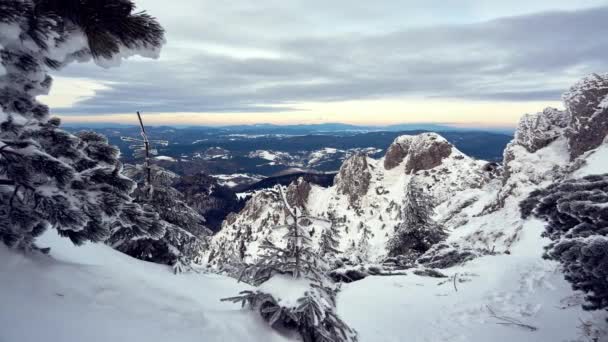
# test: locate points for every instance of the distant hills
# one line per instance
(266, 128)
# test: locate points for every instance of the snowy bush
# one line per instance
(293, 292)
(48, 177)
(577, 214)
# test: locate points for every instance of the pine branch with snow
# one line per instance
(50, 178)
(576, 211)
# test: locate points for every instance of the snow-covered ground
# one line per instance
(96, 294)
(596, 162)
(521, 287)
(93, 293)
(165, 158)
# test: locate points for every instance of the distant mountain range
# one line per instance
(265, 128)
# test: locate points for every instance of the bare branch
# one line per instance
(505, 320)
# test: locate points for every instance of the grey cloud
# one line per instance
(524, 58)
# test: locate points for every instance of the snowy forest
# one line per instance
(424, 243)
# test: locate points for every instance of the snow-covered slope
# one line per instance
(521, 287)
(94, 293)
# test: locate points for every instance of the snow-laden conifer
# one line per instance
(49, 177)
(418, 231)
(329, 241)
(185, 233)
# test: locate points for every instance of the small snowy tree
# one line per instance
(576, 211)
(418, 231)
(48, 177)
(314, 317)
(329, 241)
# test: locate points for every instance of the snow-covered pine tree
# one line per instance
(49, 177)
(329, 240)
(364, 245)
(314, 315)
(185, 233)
(576, 211)
(418, 231)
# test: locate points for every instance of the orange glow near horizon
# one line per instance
(362, 112)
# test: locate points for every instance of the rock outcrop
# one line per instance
(587, 102)
(297, 193)
(353, 178)
(536, 131)
(420, 152)
(397, 152)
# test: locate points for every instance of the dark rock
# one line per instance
(401, 262)
(587, 102)
(429, 272)
(396, 153)
(347, 276)
(297, 193)
(421, 152)
(536, 131)
(354, 178)
(427, 152)
(445, 256)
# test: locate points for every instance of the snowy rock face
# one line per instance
(536, 131)
(587, 101)
(397, 152)
(353, 178)
(422, 152)
(297, 193)
(546, 142)
(365, 202)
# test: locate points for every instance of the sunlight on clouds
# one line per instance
(66, 92)
(362, 112)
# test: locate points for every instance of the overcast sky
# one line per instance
(474, 62)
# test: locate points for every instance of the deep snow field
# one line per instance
(94, 293)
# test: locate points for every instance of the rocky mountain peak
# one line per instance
(536, 131)
(587, 102)
(354, 177)
(420, 152)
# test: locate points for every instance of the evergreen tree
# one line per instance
(364, 245)
(185, 234)
(50, 178)
(315, 315)
(418, 231)
(576, 211)
(329, 240)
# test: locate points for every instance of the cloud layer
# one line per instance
(264, 59)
